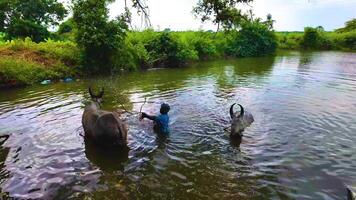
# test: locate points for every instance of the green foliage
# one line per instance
(66, 27)
(2, 38)
(65, 52)
(26, 28)
(344, 40)
(99, 38)
(349, 26)
(149, 48)
(66, 31)
(254, 39)
(25, 62)
(15, 72)
(203, 43)
(223, 11)
(166, 50)
(20, 19)
(325, 40)
(315, 38)
(289, 40)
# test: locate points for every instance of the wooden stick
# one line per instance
(143, 105)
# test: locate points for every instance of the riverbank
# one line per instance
(24, 62)
(345, 41)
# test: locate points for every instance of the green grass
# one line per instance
(26, 62)
(330, 40)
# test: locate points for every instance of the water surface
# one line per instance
(301, 145)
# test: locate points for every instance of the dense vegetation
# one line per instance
(318, 39)
(20, 19)
(90, 43)
(25, 62)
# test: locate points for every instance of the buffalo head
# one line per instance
(239, 120)
(103, 127)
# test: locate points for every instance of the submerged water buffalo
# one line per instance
(102, 127)
(239, 121)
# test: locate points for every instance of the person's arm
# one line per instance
(151, 117)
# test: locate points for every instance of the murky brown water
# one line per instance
(302, 144)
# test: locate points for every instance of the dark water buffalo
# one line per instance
(102, 127)
(239, 121)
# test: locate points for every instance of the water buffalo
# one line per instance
(239, 122)
(102, 127)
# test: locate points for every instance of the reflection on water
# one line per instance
(301, 145)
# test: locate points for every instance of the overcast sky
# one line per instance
(290, 15)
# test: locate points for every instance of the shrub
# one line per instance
(315, 38)
(165, 50)
(345, 40)
(25, 62)
(204, 46)
(254, 39)
(14, 72)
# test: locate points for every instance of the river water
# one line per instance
(302, 144)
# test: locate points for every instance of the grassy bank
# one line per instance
(323, 40)
(24, 62)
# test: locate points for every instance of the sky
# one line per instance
(290, 15)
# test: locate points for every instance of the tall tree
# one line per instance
(21, 18)
(99, 37)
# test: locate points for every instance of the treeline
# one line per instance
(318, 39)
(98, 44)
(91, 43)
(26, 62)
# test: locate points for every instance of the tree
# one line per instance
(224, 12)
(269, 22)
(253, 39)
(20, 18)
(66, 27)
(99, 38)
(349, 26)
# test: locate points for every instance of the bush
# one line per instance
(204, 45)
(15, 72)
(166, 50)
(289, 40)
(254, 39)
(344, 40)
(315, 38)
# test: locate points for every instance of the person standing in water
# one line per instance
(161, 122)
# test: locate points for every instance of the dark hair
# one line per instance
(164, 108)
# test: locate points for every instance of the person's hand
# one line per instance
(143, 115)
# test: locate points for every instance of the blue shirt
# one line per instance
(162, 121)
